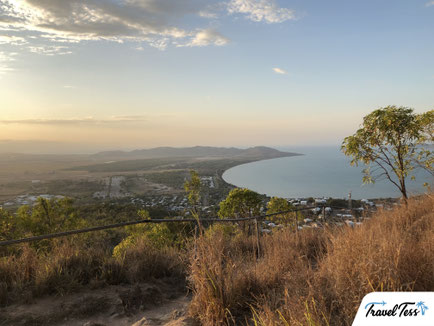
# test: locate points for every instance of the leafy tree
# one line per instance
(192, 188)
(7, 225)
(392, 142)
(161, 235)
(48, 216)
(276, 205)
(239, 203)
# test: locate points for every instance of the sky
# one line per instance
(89, 75)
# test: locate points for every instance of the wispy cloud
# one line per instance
(207, 37)
(77, 121)
(5, 60)
(208, 14)
(149, 21)
(55, 27)
(261, 10)
(13, 40)
(126, 118)
(157, 23)
(50, 50)
(429, 4)
(279, 71)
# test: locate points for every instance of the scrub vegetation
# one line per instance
(315, 276)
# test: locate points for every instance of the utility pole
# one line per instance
(350, 204)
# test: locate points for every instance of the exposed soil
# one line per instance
(121, 305)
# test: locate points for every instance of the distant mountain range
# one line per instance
(205, 159)
(197, 151)
(208, 160)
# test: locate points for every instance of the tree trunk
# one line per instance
(404, 191)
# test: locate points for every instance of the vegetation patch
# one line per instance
(312, 277)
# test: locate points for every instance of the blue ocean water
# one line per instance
(321, 171)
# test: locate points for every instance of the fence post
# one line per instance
(323, 213)
(258, 239)
(296, 221)
(196, 233)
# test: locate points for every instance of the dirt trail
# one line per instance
(121, 305)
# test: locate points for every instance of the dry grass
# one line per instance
(70, 266)
(317, 277)
(314, 277)
(228, 281)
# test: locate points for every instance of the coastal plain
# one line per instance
(118, 174)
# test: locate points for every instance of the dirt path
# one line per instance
(139, 305)
(170, 313)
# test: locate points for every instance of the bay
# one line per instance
(319, 172)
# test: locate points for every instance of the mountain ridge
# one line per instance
(195, 151)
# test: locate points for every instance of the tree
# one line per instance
(239, 203)
(159, 235)
(392, 142)
(49, 216)
(276, 205)
(193, 188)
(7, 225)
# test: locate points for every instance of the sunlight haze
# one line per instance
(83, 76)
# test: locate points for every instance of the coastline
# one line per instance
(221, 172)
(319, 176)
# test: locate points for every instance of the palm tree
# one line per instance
(422, 306)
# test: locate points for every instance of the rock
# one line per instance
(91, 323)
(142, 322)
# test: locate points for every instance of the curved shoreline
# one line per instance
(329, 184)
(260, 160)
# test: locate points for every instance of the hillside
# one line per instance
(316, 276)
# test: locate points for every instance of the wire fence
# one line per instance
(178, 220)
(122, 224)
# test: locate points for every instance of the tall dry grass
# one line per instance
(71, 266)
(228, 281)
(315, 277)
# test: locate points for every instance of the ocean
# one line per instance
(320, 172)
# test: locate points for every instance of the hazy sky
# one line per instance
(81, 75)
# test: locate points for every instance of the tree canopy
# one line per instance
(276, 205)
(392, 142)
(240, 202)
(193, 188)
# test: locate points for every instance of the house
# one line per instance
(320, 201)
